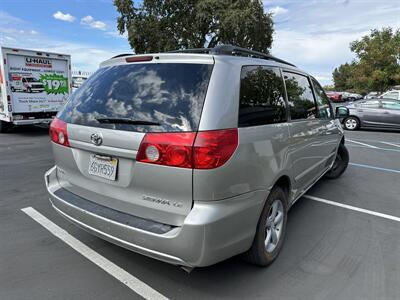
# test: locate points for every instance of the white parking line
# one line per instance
(127, 279)
(365, 211)
(391, 144)
(367, 145)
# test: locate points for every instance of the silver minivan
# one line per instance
(194, 156)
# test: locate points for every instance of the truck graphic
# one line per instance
(25, 83)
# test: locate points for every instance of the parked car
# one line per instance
(335, 96)
(373, 113)
(371, 95)
(393, 94)
(350, 96)
(191, 158)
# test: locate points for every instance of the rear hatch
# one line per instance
(107, 118)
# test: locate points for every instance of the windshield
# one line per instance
(31, 79)
(170, 94)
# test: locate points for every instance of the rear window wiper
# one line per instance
(126, 121)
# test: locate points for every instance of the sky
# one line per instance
(313, 34)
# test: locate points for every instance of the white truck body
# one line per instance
(34, 85)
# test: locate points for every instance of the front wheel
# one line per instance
(340, 164)
(351, 123)
(270, 231)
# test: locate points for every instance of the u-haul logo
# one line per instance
(38, 62)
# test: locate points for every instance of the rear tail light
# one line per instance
(169, 149)
(58, 132)
(204, 150)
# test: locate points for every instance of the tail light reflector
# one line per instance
(204, 150)
(58, 132)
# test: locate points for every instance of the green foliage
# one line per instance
(162, 25)
(377, 67)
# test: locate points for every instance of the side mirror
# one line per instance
(342, 112)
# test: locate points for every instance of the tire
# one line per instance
(351, 123)
(262, 253)
(4, 127)
(340, 164)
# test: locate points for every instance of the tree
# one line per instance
(343, 76)
(377, 63)
(162, 25)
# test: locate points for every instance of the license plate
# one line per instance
(103, 166)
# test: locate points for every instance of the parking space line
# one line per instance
(391, 144)
(377, 148)
(375, 168)
(366, 145)
(354, 208)
(117, 272)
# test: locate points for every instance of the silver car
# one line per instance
(195, 156)
(373, 113)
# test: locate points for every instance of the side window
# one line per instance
(300, 97)
(262, 98)
(324, 107)
(391, 105)
(370, 104)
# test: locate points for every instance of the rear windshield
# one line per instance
(170, 94)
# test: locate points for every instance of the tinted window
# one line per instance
(261, 96)
(169, 94)
(300, 96)
(391, 104)
(324, 108)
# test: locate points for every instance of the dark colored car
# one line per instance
(373, 113)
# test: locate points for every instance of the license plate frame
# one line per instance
(105, 167)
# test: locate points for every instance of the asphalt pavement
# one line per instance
(348, 248)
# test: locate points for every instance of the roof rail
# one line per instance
(122, 55)
(232, 50)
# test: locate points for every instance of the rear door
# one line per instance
(170, 95)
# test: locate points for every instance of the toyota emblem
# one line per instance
(96, 139)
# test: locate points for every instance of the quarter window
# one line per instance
(324, 108)
(300, 97)
(261, 96)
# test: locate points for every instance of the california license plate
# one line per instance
(103, 166)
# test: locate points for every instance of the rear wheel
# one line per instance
(351, 123)
(340, 164)
(4, 127)
(271, 230)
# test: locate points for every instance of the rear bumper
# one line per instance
(32, 121)
(212, 231)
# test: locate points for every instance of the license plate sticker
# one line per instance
(105, 167)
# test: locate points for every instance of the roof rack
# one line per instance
(122, 55)
(232, 50)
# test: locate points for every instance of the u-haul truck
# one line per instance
(34, 85)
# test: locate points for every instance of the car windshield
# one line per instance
(169, 94)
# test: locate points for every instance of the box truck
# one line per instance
(34, 85)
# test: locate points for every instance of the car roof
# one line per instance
(224, 53)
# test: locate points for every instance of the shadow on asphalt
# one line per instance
(29, 130)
